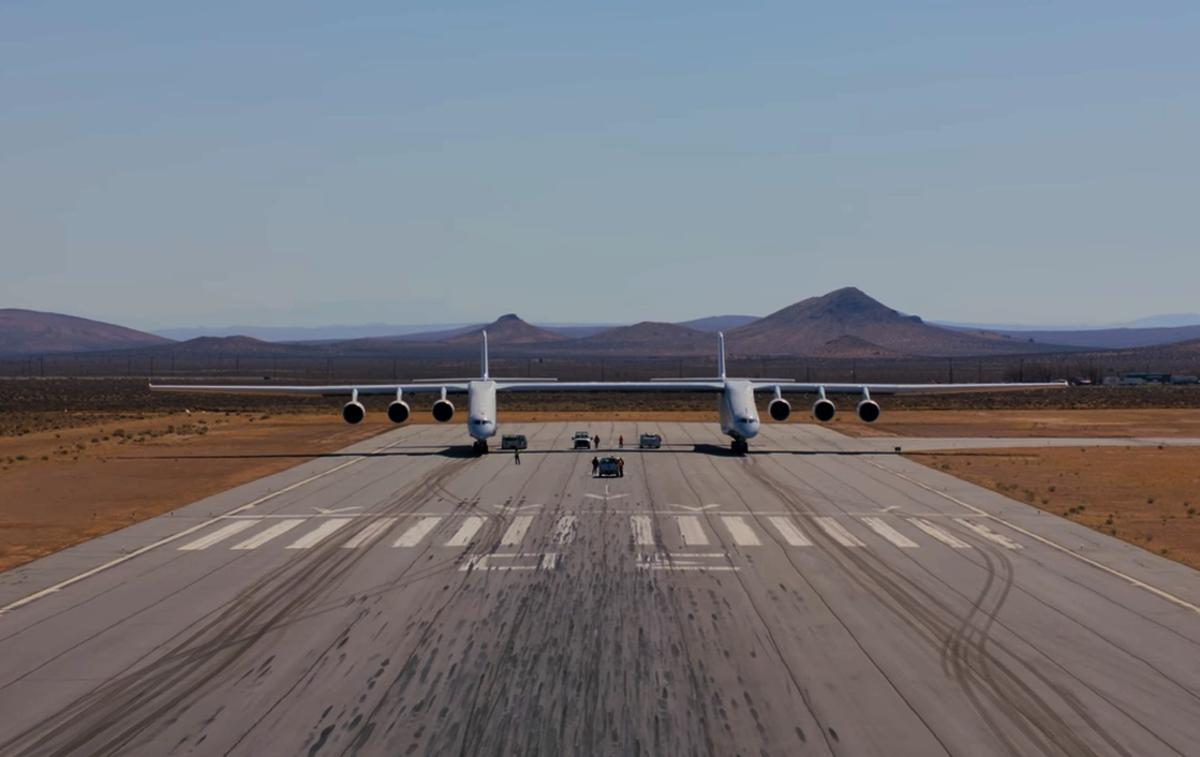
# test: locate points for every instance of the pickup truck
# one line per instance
(649, 441)
(581, 440)
(513, 441)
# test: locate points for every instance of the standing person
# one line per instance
(621, 467)
(517, 455)
(597, 445)
(621, 441)
(595, 466)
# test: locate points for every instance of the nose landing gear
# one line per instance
(739, 446)
(480, 447)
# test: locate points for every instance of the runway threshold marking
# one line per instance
(988, 533)
(690, 531)
(945, 537)
(516, 532)
(370, 533)
(838, 532)
(470, 526)
(886, 531)
(790, 532)
(318, 534)
(413, 536)
(643, 532)
(686, 561)
(564, 530)
(1160, 593)
(740, 531)
(185, 532)
(221, 534)
(259, 539)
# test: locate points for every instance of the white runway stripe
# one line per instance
(315, 536)
(691, 531)
(516, 532)
(945, 537)
(413, 536)
(643, 534)
(790, 532)
(879, 526)
(370, 533)
(838, 532)
(564, 530)
(739, 531)
(222, 533)
(470, 526)
(259, 539)
(988, 533)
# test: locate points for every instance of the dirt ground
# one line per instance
(59, 488)
(1152, 422)
(1148, 496)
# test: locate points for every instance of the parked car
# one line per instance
(581, 440)
(649, 441)
(513, 441)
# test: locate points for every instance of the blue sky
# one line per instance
(301, 164)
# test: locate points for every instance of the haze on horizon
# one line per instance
(284, 165)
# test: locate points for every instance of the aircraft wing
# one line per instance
(336, 390)
(834, 388)
(682, 385)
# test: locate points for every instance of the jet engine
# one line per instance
(443, 410)
(868, 411)
(353, 412)
(398, 411)
(779, 409)
(824, 410)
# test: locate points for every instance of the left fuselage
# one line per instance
(739, 415)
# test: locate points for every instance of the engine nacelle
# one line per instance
(868, 411)
(353, 412)
(443, 410)
(779, 409)
(824, 410)
(398, 411)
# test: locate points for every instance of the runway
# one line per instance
(821, 596)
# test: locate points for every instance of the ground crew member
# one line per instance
(517, 455)
(621, 467)
(595, 466)
(597, 445)
(621, 441)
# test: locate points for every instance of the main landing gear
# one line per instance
(739, 446)
(480, 447)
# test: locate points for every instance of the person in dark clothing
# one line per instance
(621, 467)
(517, 456)
(597, 444)
(595, 466)
(621, 441)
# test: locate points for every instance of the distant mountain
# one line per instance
(505, 330)
(233, 345)
(814, 326)
(715, 323)
(645, 339)
(1164, 321)
(332, 333)
(1110, 339)
(25, 332)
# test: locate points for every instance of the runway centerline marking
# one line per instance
(1160, 593)
(185, 532)
(259, 539)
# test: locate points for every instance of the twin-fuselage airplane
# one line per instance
(738, 410)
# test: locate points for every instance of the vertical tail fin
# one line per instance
(483, 359)
(721, 354)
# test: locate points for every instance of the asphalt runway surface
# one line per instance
(820, 596)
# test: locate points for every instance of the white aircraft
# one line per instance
(738, 411)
